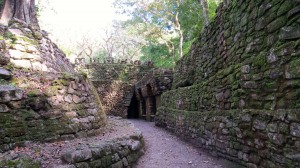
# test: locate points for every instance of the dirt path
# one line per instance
(164, 150)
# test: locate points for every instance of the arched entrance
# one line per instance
(133, 109)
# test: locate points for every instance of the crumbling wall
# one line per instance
(31, 48)
(47, 107)
(41, 96)
(236, 92)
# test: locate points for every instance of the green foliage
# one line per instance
(187, 45)
(161, 23)
(1, 3)
(100, 55)
(9, 36)
(158, 54)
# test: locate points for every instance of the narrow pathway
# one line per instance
(164, 150)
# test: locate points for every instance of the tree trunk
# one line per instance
(204, 6)
(178, 28)
(23, 10)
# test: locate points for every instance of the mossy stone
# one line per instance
(34, 93)
(106, 161)
(276, 24)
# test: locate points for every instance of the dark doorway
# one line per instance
(133, 109)
(143, 101)
(153, 105)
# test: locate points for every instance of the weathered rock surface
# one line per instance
(250, 49)
(4, 74)
(30, 48)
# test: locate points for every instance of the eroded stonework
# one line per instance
(41, 96)
(236, 92)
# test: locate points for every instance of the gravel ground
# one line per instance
(164, 150)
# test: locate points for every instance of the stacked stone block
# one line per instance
(115, 84)
(68, 107)
(119, 153)
(236, 92)
(31, 48)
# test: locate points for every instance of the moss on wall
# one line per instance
(238, 83)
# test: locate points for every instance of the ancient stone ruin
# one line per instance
(42, 98)
(123, 86)
(147, 97)
(237, 91)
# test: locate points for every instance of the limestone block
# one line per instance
(135, 145)
(60, 98)
(91, 118)
(19, 47)
(4, 74)
(31, 49)
(245, 69)
(84, 120)
(16, 54)
(21, 63)
(276, 24)
(74, 85)
(292, 69)
(290, 32)
(9, 93)
(125, 162)
(116, 157)
(295, 157)
(295, 129)
(77, 156)
(258, 124)
(284, 8)
(2, 45)
(16, 32)
(277, 139)
(254, 158)
(39, 66)
(4, 58)
(272, 127)
(76, 99)
(3, 108)
(117, 165)
(71, 90)
(71, 114)
(294, 11)
(38, 35)
(278, 158)
(271, 58)
(220, 96)
(64, 166)
(15, 104)
(249, 85)
(68, 98)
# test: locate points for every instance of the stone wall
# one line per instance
(31, 48)
(115, 84)
(117, 153)
(121, 146)
(41, 96)
(236, 92)
(47, 107)
(148, 91)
